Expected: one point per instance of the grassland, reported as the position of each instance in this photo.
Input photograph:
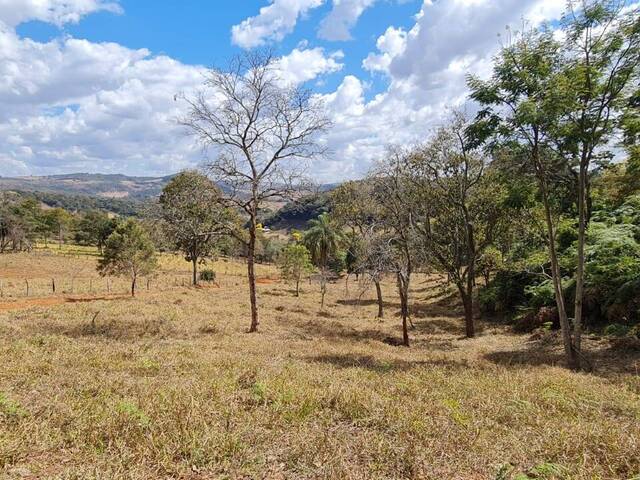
(168, 385)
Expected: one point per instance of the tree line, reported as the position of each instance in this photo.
(524, 185)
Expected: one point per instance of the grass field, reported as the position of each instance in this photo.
(168, 385)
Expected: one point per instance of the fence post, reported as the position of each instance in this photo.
(53, 285)
(148, 281)
(27, 282)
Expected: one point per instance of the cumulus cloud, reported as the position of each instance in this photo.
(58, 12)
(302, 65)
(272, 23)
(343, 16)
(427, 68)
(390, 44)
(74, 105)
(71, 104)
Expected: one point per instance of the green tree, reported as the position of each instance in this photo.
(94, 227)
(295, 262)
(520, 106)
(58, 222)
(456, 207)
(128, 252)
(601, 59)
(193, 216)
(353, 207)
(323, 239)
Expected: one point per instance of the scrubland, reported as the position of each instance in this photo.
(168, 385)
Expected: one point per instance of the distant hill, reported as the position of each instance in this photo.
(297, 214)
(91, 184)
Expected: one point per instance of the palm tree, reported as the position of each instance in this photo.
(323, 239)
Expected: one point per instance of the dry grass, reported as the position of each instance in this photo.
(168, 385)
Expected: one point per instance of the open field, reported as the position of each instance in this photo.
(168, 385)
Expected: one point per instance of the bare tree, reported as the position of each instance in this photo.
(262, 132)
(352, 206)
(391, 191)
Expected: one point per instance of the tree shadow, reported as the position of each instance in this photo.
(604, 357)
(371, 363)
(366, 303)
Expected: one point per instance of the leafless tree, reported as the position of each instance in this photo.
(261, 132)
(391, 191)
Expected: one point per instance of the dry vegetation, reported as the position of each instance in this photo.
(168, 385)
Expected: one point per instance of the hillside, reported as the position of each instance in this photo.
(114, 186)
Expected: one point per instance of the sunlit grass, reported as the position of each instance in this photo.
(169, 385)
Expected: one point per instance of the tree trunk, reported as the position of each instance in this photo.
(379, 295)
(467, 301)
(60, 237)
(297, 287)
(194, 262)
(133, 287)
(582, 233)
(557, 280)
(403, 289)
(251, 251)
(323, 288)
(470, 328)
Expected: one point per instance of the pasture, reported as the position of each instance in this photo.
(98, 385)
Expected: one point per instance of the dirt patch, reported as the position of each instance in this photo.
(266, 281)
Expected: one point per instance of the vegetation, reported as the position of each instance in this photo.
(128, 252)
(294, 263)
(263, 132)
(192, 216)
(506, 247)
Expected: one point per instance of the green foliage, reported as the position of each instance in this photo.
(338, 262)
(269, 248)
(128, 252)
(94, 227)
(192, 215)
(323, 239)
(207, 275)
(294, 262)
(298, 213)
(10, 408)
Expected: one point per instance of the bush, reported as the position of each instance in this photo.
(207, 275)
(506, 291)
(616, 330)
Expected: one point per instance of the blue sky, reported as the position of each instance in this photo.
(89, 85)
(194, 32)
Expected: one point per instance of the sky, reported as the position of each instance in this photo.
(89, 85)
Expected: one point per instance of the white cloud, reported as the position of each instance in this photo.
(390, 44)
(343, 16)
(58, 12)
(73, 105)
(427, 68)
(302, 65)
(70, 104)
(272, 23)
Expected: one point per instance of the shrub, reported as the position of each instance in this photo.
(616, 330)
(207, 275)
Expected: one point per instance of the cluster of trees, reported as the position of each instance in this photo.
(24, 221)
(529, 186)
(522, 205)
(515, 184)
